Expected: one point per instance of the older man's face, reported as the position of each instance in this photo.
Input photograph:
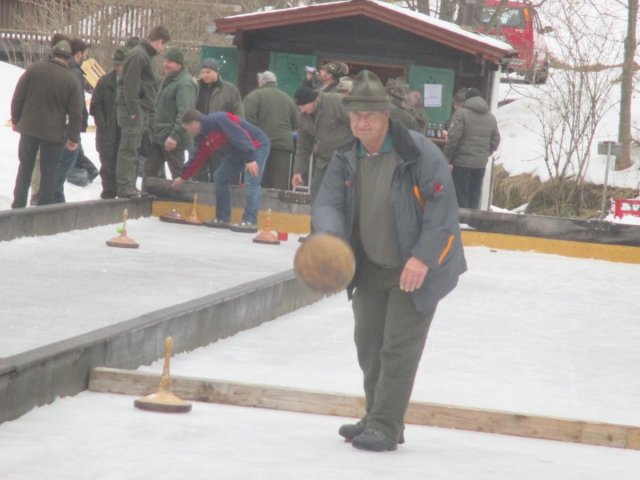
(369, 127)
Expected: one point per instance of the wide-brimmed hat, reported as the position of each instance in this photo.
(368, 94)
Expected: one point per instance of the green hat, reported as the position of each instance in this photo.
(368, 94)
(119, 55)
(175, 55)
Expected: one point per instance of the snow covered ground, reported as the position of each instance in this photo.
(523, 332)
(103, 437)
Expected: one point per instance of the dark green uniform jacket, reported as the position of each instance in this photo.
(424, 209)
(138, 87)
(176, 96)
(46, 93)
(473, 135)
(103, 110)
(275, 113)
(322, 132)
(221, 96)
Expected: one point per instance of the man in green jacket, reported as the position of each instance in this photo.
(323, 127)
(137, 90)
(46, 95)
(215, 95)
(168, 137)
(276, 114)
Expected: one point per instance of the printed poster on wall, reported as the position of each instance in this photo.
(433, 95)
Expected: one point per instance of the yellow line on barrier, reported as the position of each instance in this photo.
(299, 224)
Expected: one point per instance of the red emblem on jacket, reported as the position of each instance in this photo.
(438, 187)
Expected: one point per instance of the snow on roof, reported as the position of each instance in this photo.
(420, 17)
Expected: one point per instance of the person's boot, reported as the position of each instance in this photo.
(374, 440)
(351, 430)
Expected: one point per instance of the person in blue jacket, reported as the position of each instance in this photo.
(390, 194)
(244, 147)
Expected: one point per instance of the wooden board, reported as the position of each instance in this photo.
(126, 382)
(92, 71)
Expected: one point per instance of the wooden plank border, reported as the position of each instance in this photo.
(127, 382)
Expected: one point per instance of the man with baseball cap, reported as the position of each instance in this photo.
(46, 95)
(390, 194)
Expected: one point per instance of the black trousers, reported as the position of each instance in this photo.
(49, 159)
(468, 184)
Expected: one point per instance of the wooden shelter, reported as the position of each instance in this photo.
(434, 56)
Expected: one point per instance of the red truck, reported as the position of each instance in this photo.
(518, 23)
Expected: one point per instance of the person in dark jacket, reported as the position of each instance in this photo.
(390, 194)
(398, 91)
(168, 138)
(243, 147)
(137, 90)
(215, 95)
(276, 114)
(68, 158)
(472, 137)
(45, 95)
(103, 110)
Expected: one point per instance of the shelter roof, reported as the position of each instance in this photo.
(417, 23)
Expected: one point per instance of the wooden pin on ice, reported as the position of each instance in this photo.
(266, 236)
(194, 219)
(122, 241)
(164, 399)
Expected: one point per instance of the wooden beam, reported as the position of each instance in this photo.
(126, 382)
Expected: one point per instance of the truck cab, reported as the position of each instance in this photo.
(518, 23)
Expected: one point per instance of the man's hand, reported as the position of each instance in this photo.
(252, 168)
(413, 275)
(170, 144)
(177, 183)
(296, 181)
(71, 146)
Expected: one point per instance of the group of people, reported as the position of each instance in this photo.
(376, 181)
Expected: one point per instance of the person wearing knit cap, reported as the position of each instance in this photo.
(389, 193)
(137, 91)
(276, 114)
(103, 110)
(472, 137)
(215, 95)
(169, 140)
(323, 127)
(46, 109)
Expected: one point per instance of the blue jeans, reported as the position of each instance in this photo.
(68, 159)
(229, 169)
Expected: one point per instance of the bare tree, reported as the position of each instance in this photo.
(573, 106)
(629, 67)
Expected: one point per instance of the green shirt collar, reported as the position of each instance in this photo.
(387, 146)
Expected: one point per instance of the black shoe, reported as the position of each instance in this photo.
(374, 440)
(351, 430)
(244, 227)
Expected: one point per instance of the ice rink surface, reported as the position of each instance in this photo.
(523, 332)
(58, 286)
